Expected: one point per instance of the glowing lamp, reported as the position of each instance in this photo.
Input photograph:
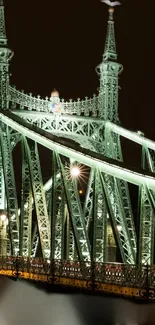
(54, 93)
(3, 217)
(75, 171)
(119, 228)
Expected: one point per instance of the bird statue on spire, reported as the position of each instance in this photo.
(111, 4)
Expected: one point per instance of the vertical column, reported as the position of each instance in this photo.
(5, 56)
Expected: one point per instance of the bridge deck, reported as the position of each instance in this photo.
(118, 279)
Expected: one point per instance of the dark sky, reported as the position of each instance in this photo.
(59, 44)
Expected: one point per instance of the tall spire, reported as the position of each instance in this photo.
(5, 56)
(3, 39)
(110, 44)
(109, 70)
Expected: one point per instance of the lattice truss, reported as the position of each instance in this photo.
(47, 217)
(54, 223)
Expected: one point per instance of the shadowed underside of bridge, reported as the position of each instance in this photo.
(43, 214)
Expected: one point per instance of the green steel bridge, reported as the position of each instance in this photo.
(49, 219)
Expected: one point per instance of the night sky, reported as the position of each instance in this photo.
(58, 44)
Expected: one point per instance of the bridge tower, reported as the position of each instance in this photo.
(107, 194)
(5, 56)
(108, 70)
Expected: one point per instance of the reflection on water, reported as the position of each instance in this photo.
(23, 304)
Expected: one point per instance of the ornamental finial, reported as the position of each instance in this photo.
(111, 3)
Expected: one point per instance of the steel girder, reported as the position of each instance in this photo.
(87, 131)
(35, 241)
(146, 213)
(26, 206)
(39, 198)
(12, 204)
(146, 227)
(99, 221)
(88, 204)
(57, 212)
(71, 253)
(2, 186)
(118, 219)
(70, 241)
(113, 150)
(76, 214)
(83, 156)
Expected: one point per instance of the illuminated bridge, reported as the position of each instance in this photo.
(50, 229)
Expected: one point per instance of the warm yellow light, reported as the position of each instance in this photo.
(3, 217)
(80, 192)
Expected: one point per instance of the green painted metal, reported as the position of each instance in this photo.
(76, 214)
(5, 56)
(39, 198)
(11, 194)
(99, 221)
(108, 70)
(26, 206)
(64, 227)
(57, 212)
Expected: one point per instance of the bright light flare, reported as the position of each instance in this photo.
(78, 172)
(119, 228)
(75, 171)
(3, 217)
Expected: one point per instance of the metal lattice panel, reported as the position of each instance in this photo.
(146, 232)
(87, 210)
(39, 199)
(118, 219)
(76, 215)
(146, 213)
(12, 204)
(21, 101)
(88, 132)
(26, 206)
(2, 186)
(113, 150)
(35, 241)
(70, 241)
(57, 212)
(99, 221)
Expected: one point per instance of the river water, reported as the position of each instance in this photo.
(23, 304)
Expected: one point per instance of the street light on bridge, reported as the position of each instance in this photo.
(75, 171)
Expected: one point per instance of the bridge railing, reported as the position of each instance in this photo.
(87, 107)
(110, 273)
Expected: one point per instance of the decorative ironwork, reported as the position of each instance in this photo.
(95, 274)
(71, 234)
